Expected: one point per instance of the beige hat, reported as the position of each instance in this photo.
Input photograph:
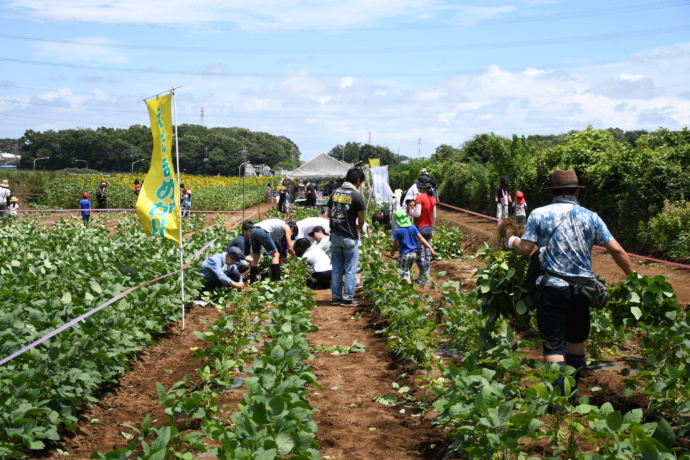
(5, 183)
(13, 199)
(397, 193)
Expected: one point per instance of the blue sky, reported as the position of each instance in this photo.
(326, 72)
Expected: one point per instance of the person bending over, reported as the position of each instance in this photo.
(221, 270)
(265, 234)
(318, 260)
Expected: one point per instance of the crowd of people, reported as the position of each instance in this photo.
(330, 245)
(563, 231)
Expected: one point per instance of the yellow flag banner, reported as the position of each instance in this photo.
(157, 206)
(374, 162)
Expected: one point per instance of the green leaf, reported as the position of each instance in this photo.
(521, 307)
(277, 407)
(614, 421)
(66, 298)
(636, 312)
(357, 347)
(95, 287)
(664, 433)
(285, 443)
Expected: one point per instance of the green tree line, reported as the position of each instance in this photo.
(638, 182)
(355, 153)
(202, 150)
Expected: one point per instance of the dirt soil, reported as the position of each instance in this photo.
(351, 424)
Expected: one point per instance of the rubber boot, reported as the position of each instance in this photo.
(253, 271)
(275, 273)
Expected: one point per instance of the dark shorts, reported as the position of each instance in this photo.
(562, 317)
(259, 238)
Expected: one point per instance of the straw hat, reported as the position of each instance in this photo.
(564, 178)
(13, 199)
(5, 183)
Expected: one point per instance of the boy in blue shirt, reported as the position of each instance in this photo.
(85, 206)
(405, 237)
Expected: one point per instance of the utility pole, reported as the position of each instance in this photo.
(419, 147)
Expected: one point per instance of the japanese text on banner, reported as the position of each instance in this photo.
(157, 205)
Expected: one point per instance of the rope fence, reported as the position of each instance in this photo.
(637, 256)
(108, 303)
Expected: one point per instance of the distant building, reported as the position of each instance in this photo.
(9, 160)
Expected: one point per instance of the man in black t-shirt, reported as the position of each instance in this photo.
(346, 210)
(310, 191)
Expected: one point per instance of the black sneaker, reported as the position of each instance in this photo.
(349, 303)
(336, 303)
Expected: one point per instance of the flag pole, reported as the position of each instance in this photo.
(177, 169)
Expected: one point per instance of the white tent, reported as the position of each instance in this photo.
(320, 167)
(9, 159)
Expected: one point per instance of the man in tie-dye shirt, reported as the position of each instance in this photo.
(563, 316)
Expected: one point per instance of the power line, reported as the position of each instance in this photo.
(657, 57)
(369, 50)
(634, 8)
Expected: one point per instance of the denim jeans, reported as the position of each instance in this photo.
(344, 258)
(259, 238)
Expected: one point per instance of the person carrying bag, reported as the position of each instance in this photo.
(566, 282)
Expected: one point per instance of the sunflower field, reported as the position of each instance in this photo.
(60, 190)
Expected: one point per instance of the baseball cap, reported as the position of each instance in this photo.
(318, 228)
(236, 254)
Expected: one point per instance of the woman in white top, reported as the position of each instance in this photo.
(317, 260)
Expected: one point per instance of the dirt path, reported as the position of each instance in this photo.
(135, 395)
(351, 424)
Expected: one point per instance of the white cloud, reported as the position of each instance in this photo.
(629, 77)
(346, 82)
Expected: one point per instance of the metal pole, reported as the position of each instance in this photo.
(177, 188)
(239, 172)
(134, 164)
(37, 159)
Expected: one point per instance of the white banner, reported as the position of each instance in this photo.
(379, 179)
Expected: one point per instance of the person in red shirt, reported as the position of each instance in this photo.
(424, 219)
